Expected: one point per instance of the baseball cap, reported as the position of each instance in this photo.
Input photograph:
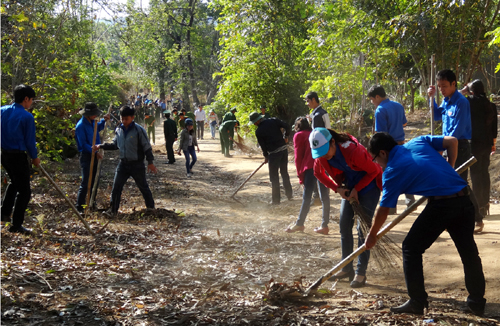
(319, 139)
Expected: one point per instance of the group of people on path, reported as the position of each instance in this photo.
(325, 160)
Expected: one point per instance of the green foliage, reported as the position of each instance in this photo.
(420, 102)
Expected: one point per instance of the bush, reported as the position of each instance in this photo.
(420, 102)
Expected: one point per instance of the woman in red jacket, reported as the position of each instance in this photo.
(304, 164)
(353, 175)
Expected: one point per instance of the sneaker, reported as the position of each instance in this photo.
(189, 175)
(109, 213)
(295, 228)
(20, 229)
(322, 230)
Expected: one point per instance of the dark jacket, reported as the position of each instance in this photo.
(184, 141)
(318, 119)
(169, 129)
(483, 120)
(269, 134)
(133, 143)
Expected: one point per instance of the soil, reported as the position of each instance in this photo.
(206, 259)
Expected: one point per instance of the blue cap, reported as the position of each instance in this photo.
(319, 139)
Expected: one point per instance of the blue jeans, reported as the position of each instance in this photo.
(213, 128)
(136, 170)
(324, 194)
(191, 152)
(368, 201)
(85, 159)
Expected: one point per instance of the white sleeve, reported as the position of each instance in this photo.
(326, 119)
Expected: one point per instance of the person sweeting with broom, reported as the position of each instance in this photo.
(339, 158)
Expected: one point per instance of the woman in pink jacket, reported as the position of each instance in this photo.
(305, 164)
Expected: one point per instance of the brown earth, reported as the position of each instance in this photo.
(212, 266)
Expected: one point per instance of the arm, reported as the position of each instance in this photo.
(82, 139)
(380, 121)
(494, 126)
(109, 146)
(30, 137)
(146, 146)
(451, 146)
(100, 125)
(319, 173)
(362, 161)
(378, 221)
(326, 119)
(299, 151)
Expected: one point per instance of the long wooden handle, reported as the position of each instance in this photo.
(431, 99)
(89, 186)
(380, 233)
(248, 178)
(59, 190)
(98, 172)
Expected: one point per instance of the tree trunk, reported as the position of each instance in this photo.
(189, 58)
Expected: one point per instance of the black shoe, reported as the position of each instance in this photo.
(341, 275)
(468, 309)
(19, 229)
(408, 308)
(356, 284)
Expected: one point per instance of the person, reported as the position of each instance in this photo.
(163, 106)
(319, 117)
(175, 116)
(417, 168)
(189, 115)
(132, 141)
(150, 122)
(18, 144)
(454, 111)
(389, 117)
(345, 159)
(274, 148)
(304, 164)
(187, 144)
(484, 123)
(214, 121)
(201, 118)
(230, 116)
(225, 135)
(264, 113)
(84, 134)
(170, 132)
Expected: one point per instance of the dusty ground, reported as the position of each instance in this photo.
(212, 265)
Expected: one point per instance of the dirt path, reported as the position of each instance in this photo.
(212, 266)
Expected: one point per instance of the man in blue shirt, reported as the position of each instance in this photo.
(389, 117)
(454, 111)
(417, 168)
(84, 134)
(18, 141)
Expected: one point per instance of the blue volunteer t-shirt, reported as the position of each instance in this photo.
(390, 117)
(351, 177)
(455, 113)
(417, 168)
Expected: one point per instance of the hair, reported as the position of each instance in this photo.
(301, 124)
(167, 115)
(174, 110)
(183, 110)
(22, 91)
(180, 114)
(127, 111)
(476, 87)
(376, 90)
(312, 95)
(381, 141)
(339, 137)
(447, 75)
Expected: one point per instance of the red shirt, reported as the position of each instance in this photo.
(357, 158)
(303, 156)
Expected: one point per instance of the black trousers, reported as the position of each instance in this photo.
(278, 164)
(85, 159)
(169, 143)
(18, 192)
(464, 153)
(480, 176)
(457, 216)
